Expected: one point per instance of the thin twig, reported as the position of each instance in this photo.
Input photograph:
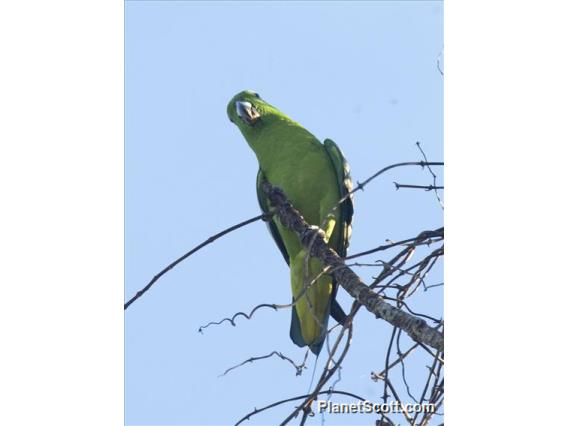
(437, 391)
(329, 372)
(429, 415)
(284, 401)
(426, 163)
(379, 376)
(274, 306)
(239, 314)
(432, 354)
(432, 368)
(189, 253)
(425, 187)
(433, 175)
(386, 376)
(400, 404)
(433, 285)
(424, 265)
(405, 305)
(439, 233)
(399, 353)
(299, 368)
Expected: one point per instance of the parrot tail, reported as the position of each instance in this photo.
(336, 313)
(296, 334)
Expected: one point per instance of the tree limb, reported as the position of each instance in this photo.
(313, 237)
(172, 265)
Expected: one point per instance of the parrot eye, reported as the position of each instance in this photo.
(257, 95)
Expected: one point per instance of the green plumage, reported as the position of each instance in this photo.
(315, 177)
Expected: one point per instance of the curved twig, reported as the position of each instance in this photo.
(268, 305)
(240, 314)
(299, 368)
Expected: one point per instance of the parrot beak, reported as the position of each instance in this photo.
(247, 112)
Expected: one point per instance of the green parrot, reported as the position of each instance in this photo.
(315, 177)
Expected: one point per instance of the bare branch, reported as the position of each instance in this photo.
(415, 327)
(428, 416)
(328, 372)
(284, 401)
(240, 314)
(189, 253)
(386, 376)
(432, 286)
(433, 175)
(361, 185)
(299, 367)
(379, 376)
(432, 373)
(425, 187)
(425, 237)
(400, 355)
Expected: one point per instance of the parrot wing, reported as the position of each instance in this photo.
(341, 168)
(345, 221)
(345, 186)
(265, 207)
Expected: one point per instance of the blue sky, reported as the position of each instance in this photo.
(361, 73)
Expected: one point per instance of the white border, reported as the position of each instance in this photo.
(61, 183)
(61, 178)
(506, 91)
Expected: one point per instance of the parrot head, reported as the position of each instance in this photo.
(250, 113)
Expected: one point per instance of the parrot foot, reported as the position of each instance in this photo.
(309, 236)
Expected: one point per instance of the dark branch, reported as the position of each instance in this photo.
(284, 401)
(424, 237)
(403, 369)
(189, 253)
(299, 368)
(361, 185)
(424, 187)
(433, 175)
(328, 372)
(239, 314)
